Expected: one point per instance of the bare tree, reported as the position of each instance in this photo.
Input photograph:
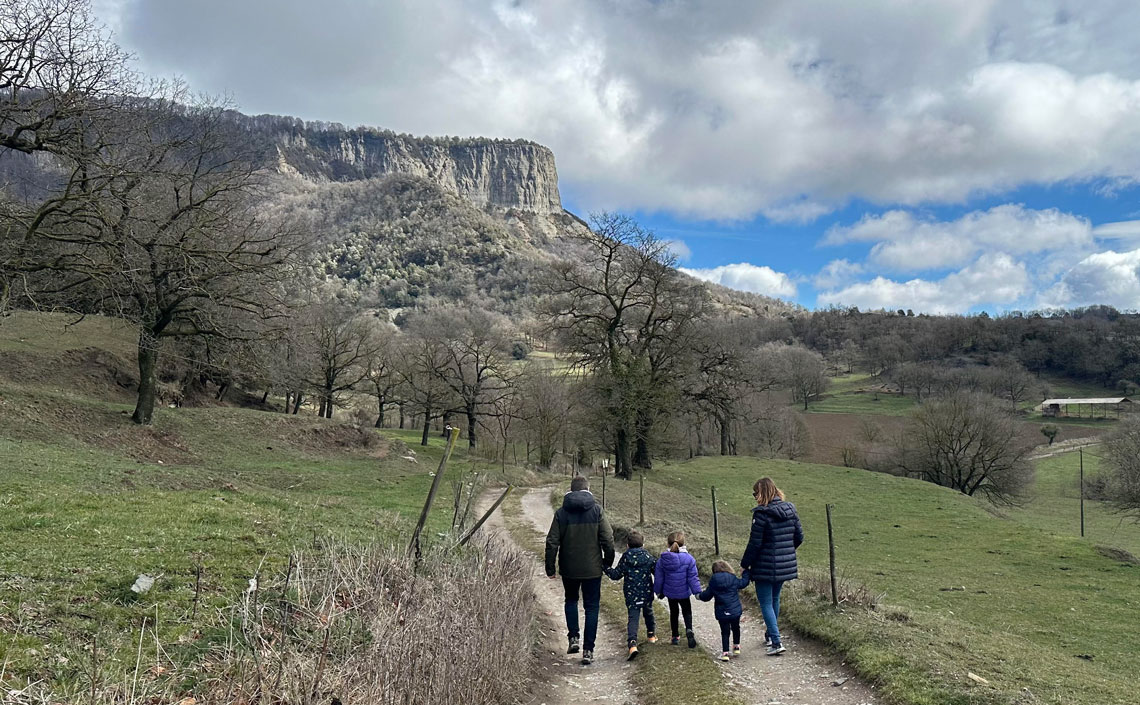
(175, 241)
(724, 371)
(342, 345)
(1122, 448)
(969, 442)
(626, 315)
(422, 361)
(382, 375)
(806, 373)
(476, 359)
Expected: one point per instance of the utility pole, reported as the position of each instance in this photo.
(1081, 452)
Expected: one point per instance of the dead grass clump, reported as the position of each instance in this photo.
(850, 592)
(364, 624)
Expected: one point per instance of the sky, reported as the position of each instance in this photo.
(943, 156)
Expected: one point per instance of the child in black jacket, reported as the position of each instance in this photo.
(725, 587)
(636, 566)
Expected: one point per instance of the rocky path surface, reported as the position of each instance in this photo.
(608, 678)
(806, 675)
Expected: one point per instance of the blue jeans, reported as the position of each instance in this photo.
(768, 595)
(591, 589)
(635, 613)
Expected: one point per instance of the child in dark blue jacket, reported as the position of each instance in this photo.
(724, 587)
(636, 566)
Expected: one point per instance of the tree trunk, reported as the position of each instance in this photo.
(265, 397)
(222, 391)
(622, 452)
(641, 456)
(288, 401)
(321, 409)
(427, 427)
(725, 430)
(380, 412)
(470, 426)
(299, 399)
(400, 406)
(148, 367)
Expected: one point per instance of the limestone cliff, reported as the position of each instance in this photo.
(501, 173)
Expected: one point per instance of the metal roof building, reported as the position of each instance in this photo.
(1061, 407)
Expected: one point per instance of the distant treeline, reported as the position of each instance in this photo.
(1097, 344)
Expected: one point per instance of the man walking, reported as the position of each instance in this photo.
(581, 539)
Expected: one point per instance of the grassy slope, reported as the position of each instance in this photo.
(1055, 505)
(1032, 606)
(88, 501)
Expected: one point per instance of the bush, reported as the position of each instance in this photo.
(519, 350)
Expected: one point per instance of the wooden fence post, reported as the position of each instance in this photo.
(603, 488)
(1082, 453)
(641, 501)
(716, 524)
(414, 544)
(486, 516)
(831, 557)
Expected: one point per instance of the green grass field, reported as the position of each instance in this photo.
(962, 590)
(860, 394)
(90, 502)
(1055, 505)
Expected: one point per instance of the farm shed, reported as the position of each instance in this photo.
(1091, 408)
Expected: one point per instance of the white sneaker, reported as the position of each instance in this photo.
(775, 650)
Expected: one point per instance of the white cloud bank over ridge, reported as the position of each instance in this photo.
(748, 277)
(719, 110)
(1005, 257)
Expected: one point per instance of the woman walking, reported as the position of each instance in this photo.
(770, 558)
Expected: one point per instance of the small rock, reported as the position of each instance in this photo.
(143, 584)
(838, 682)
(977, 679)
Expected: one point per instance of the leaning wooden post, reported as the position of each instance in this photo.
(641, 501)
(486, 516)
(716, 524)
(831, 554)
(603, 487)
(414, 544)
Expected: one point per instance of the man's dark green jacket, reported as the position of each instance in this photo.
(580, 537)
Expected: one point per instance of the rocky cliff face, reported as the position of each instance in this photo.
(499, 173)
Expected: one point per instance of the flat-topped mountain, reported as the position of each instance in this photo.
(510, 174)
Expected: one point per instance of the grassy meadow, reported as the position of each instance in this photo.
(88, 502)
(960, 589)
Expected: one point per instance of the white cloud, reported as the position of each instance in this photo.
(748, 277)
(905, 243)
(994, 280)
(1121, 230)
(679, 249)
(837, 273)
(1109, 277)
(719, 110)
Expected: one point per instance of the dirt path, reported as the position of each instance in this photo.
(607, 680)
(805, 675)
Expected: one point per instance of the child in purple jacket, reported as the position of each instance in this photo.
(676, 579)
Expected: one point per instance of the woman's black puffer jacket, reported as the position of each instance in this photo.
(776, 534)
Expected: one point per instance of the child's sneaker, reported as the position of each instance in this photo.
(652, 638)
(632, 653)
(736, 650)
(573, 648)
(587, 657)
(724, 656)
(692, 638)
(775, 650)
(675, 640)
